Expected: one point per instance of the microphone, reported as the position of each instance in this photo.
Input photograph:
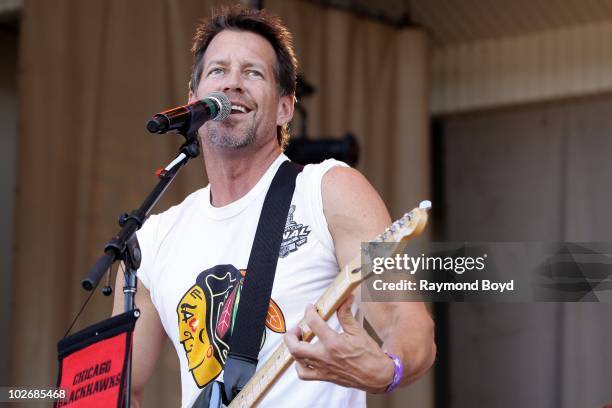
(188, 118)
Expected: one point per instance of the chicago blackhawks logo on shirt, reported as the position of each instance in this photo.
(294, 236)
(206, 317)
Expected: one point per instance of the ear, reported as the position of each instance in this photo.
(284, 113)
(191, 97)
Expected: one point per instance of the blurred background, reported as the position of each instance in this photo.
(499, 110)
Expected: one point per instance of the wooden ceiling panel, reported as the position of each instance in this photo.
(457, 21)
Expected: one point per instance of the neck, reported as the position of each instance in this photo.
(234, 172)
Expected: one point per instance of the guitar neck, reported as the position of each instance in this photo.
(281, 359)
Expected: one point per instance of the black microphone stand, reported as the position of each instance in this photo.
(124, 246)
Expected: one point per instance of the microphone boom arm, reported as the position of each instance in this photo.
(116, 247)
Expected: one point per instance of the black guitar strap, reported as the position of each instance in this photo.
(246, 337)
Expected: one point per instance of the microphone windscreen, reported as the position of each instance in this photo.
(225, 106)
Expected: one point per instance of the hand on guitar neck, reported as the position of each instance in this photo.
(350, 359)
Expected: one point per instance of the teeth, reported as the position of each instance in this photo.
(239, 108)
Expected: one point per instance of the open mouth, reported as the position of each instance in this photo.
(238, 109)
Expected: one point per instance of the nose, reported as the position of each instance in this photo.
(233, 81)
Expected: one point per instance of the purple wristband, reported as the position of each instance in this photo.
(397, 374)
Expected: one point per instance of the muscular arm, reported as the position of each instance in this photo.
(355, 213)
(149, 338)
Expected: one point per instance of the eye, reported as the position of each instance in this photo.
(186, 315)
(215, 71)
(184, 311)
(252, 73)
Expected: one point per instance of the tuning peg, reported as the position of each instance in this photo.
(425, 205)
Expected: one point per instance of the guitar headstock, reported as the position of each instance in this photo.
(409, 226)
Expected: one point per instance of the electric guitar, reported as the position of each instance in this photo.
(405, 228)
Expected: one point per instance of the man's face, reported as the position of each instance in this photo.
(192, 326)
(199, 351)
(241, 65)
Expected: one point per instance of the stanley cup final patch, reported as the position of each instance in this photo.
(294, 236)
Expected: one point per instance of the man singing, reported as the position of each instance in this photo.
(195, 254)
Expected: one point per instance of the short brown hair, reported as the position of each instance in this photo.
(260, 22)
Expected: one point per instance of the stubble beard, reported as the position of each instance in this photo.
(220, 136)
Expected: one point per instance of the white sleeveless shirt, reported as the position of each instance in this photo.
(194, 256)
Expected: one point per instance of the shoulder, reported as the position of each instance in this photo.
(353, 209)
(160, 224)
(339, 181)
(167, 218)
(350, 202)
(154, 231)
(314, 173)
